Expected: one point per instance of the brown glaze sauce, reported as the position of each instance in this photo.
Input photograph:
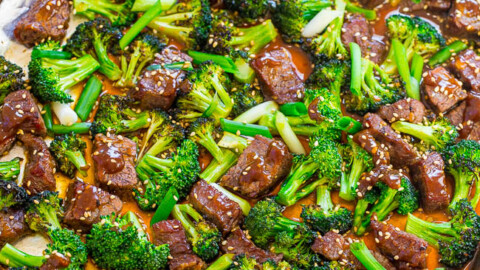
(109, 158)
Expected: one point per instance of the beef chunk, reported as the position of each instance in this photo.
(335, 247)
(114, 159)
(379, 152)
(466, 65)
(158, 88)
(357, 29)
(45, 20)
(85, 204)
(384, 173)
(278, 75)
(12, 225)
(21, 113)
(456, 114)
(7, 137)
(428, 175)
(409, 109)
(463, 17)
(401, 153)
(400, 245)
(56, 261)
(171, 232)
(239, 243)
(371, 3)
(218, 208)
(474, 132)
(260, 167)
(430, 5)
(442, 90)
(40, 168)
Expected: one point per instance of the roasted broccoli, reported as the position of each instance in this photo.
(121, 243)
(11, 78)
(203, 132)
(11, 195)
(44, 211)
(119, 14)
(249, 9)
(455, 240)
(329, 43)
(68, 150)
(245, 96)
(330, 73)
(203, 235)
(50, 78)
(97, 38)
(244, 262)
(116, 115)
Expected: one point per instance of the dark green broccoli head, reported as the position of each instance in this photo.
(406, 197)
(282, 265)
(245, 96)
(329, 43)
(204, 132)
(11, 195)
(115, 243)
(206, 242)
(324, 104)
(296, 248)
(249, 9)
(330, 73)
(243, 262)
(44, 211)
(118, 13)
(69, 150)
(11, 78)
(66, 242)
(323, 221)
(324, 152)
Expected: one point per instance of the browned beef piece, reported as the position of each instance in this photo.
(56, 261)
(463, 17)
(45, 20)
(114, 159)
(261, 166)
(278, 75)
(40, 169)
(20, 112)
(7, 137)
(474, 132)
(12, 225)
(385, 173)
(428, 175)
(400, 245)
(158, 88)
(408, 109)
(401, 153)
(371, 3)
(171, 232)
(442, 90)
(218, 208)
(335, 247)
(379, 151)
(430, 5)
(456, 114)
(357, 29)
(384, 261)
(85, 204)
(466, 65)
(239, 243)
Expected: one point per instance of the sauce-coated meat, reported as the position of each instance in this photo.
(215, 206)
(466, 65)
(45, 20)
(456, 114)
(463, 17)
(442, 90)
(259, 168)
(20, 112)
(408, 109)
(85, 204)
(430, 5)
(12, 225)
(56, 261)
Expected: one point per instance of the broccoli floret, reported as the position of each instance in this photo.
(330, 73)
(324, 159)
(330, 42)
(455, 240)
(249, 9)
(158, 175)
(203, 132)
(417, 35)
(282, 265)
(225, 37)
(118, 13)
(9, 170)
(291, 16)
(203, 235)
(139, 53)
(11, 78)
(208, 95)
(44, 212)
(120, 243)
(403, 200)
(188, 21)
(462, 161)
(324, 216)
(97, 38)
(363, 254)
(50, 77)
(436, 134)
(245, 96)
(357, 161)
(11, 195)
(244, 262)
(69, 150)
(323, 103)
(116, 115)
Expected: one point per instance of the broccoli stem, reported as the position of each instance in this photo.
(360, 210)
(222, 263)
(78, 128)
(324, 198)
(158, 163)
(349, 183)
(386, 205)
(401, 61)
(177, 32)
(76, 157)
(425, 133)
(107, 66)
(217, 168)
(133, 219)
(128, 69)
(430, 232)
(9, 170)
(13, 257)
(254, 114)
(180, 212)
(356, 74)
(141, 121)
(417, 67)
(363, 254)
(445, 53)
(255, 37)
(244, 204)
(233, 142)
(463, 181)
(47, 116)
(287, 134)
(209, 143)
(88, 8)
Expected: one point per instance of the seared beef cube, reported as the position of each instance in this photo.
(466, 65)
(401, 153)
(391, 177)
(335, 247)
(409, 109)
(379, 152)
(40, 169)
(442, 90)
(428, 175)
(463, 17)
(20, 112)
(259, 168)
(474, 132)
(85, 204)
(56, 261)
(239, 243)
(215, 206)
(7, 137)
(357, 29)
(12, 225)
(114, 159)
(402, 246)
(158, 88)
(279, 77)
(171, 232)
(371, 3)
(456, 114)
(430, 5)
(45, 20)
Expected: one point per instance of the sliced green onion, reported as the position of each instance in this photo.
(222, 263)
(166, 206)
(47, 116)
(294, 109)
(50, 54)
(79, 128)
(356, 74)
(234, 142)
(417, 67)
(287, 134)
(360, 250)
(254, 114)
(244, 129)
(368, 13)
(348, 125)
(89, 96)
(401, 61)
(224, 62)
(445, 53)
(245, 72)
(211, 108)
